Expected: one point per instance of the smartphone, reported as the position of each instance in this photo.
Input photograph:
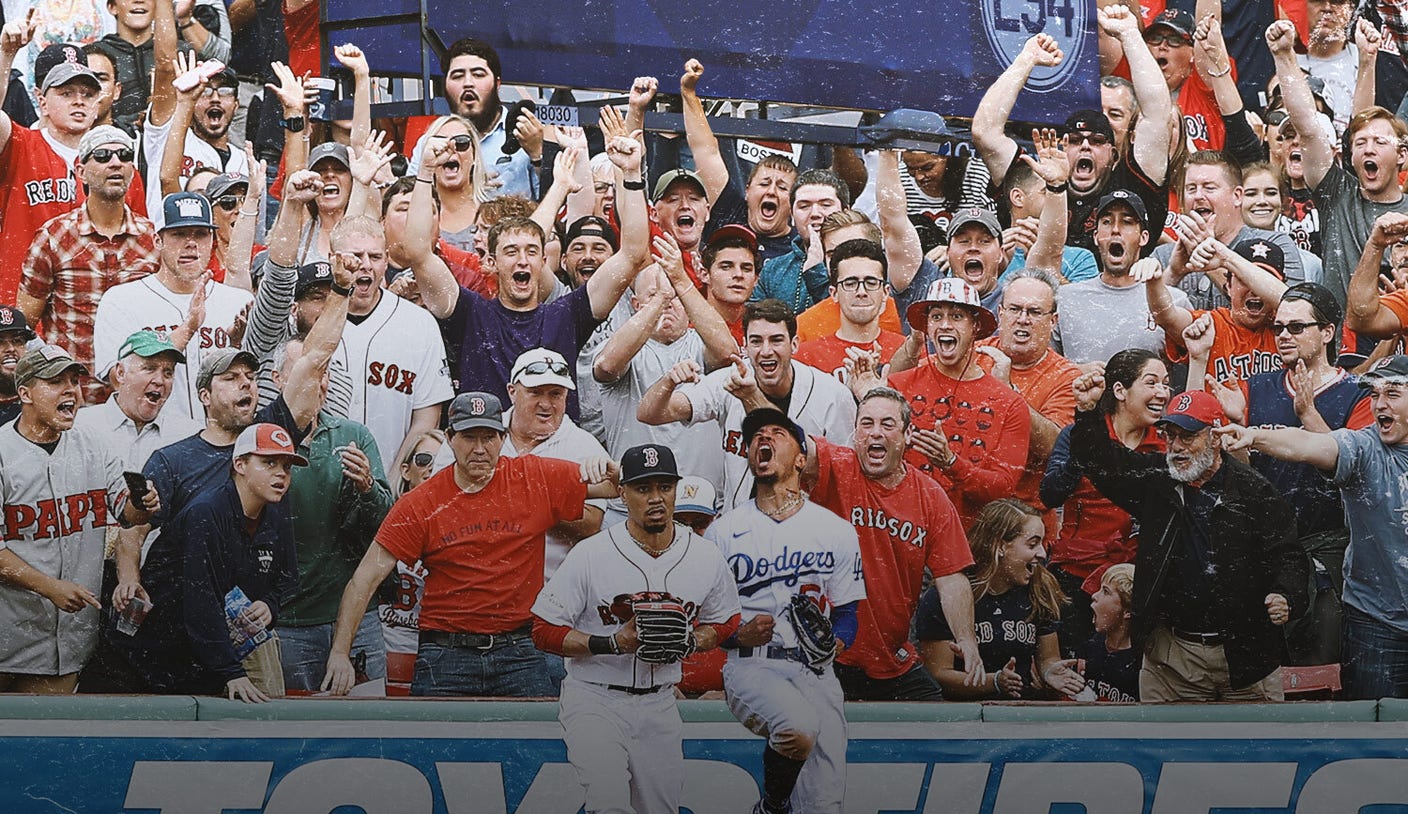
(515, 112)
(191, 78)
(136, 485)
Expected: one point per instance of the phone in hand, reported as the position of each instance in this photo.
(136, 486)
(515, 112)
(191, 78)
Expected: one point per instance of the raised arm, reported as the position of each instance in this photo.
(303, 389)
(355, 61)
(171, 160)
(439, 291)
(702, 143)
(903, 252)
(719, 344)
(990, 120)
(164, 44)
(14, 36)
(1316, 151)
(609, 282)
(1151, 132)
(207, 44)
(292, 96)
(241, 249)
(1172, 318)
(641, 95)
(1286, 444)
(1365, 312)
(1367, 40)
(1214, 65)
(369, 160)
(1052, 167)
(1263, 283)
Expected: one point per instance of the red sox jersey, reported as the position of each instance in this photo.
(57, 508)
(593, 588)
(147, 304)
(36, 184)
(396, 360)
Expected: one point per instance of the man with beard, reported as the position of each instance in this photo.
(1220, 566)
(15, 334)
(102, 66)
(590, 242)
(130, 50)
(771, 377)
(1348, 202)
(1245, 343)
(208, 139)
(1102, 316)
(799, 277)
(1096, 166)
(76, 257)
(906, 525)
(472, 75)
(1211, 200)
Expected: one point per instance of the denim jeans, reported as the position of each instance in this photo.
(512, 669)
(913, 685)
(305, 652)
(1374, 658)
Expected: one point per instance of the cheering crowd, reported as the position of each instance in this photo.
(1115, 407)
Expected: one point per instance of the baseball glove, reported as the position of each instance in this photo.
(815, 637)
(665, 634)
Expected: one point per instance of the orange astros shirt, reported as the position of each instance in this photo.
(1237, 353)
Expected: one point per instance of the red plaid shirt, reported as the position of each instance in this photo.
(70, 265)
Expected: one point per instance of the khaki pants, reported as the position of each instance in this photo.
(265, 668)
(1178, 670)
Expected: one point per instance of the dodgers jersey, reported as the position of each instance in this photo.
(593, 589)
(146, 304)
(813, 552)
(396, 360)
(57, 508)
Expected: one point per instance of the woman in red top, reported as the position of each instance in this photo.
(1095, 532)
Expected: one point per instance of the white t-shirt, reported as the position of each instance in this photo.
(199, 153)
(146, 304)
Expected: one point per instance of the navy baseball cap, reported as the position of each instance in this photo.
(476, 409)
(1180, 21)
(186, 209)
(770, 417)
(1394, 370)
(591, 226)
(311, 275)
(1089, 121)
(55, 55)
(1264, 253)
(12, 319)
(648, 461)
(1129, 199)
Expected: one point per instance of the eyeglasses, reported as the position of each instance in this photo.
(1171, 40)
(222, 91)
(1095, 139)
(544, 366)
(1296, 328)
(854, 283)
(422, 458)
(104, 154)
(461, 143)
(1016, 312)
(229, 202)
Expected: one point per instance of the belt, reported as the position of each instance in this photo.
(1205, 639)
(474, 641)
(773, 651)
(629, 690)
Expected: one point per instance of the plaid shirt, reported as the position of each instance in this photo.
(70, 265)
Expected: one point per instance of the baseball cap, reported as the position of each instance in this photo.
(44, 362)
(1129, 199)
(311, 275)
(648, 461)
(591, 226)
(100, 135)
(12, 319)
(1090, 121)
(662, 185)
(56, 55)
(476, 409)
(223, 183)
(951, 289)
(269, 440)
(1264, 253)
(539, 366)
(67, 72)
(975, 214)
(694, 494)
(1319, 297)
(220, 360)
(1194, 410)
(186, 209)
(1396, 368)
(1177, 19)
(147, 344)
(769, 417)
(330, 149)
(734, 231)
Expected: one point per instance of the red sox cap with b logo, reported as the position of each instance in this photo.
(269, 440)
(476, 409)
(1194, 410)
(648, 461)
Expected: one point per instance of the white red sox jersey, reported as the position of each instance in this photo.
(396, 360)
(57, 508)
(593, 588)
(146, 304)
(820, 405)
(813, 552)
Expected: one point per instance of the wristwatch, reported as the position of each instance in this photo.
(293, 124)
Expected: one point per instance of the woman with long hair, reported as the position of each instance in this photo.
(1095, 532)
(414, 468)
(460, 181)
(1016, 608)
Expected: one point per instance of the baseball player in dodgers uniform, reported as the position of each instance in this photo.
(624, 607)
(792, 560)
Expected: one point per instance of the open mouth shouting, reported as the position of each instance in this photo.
(973, 270)
(875, 455)
(1369, 172)
(67, 409)
(330, 191)
(768, 369)
(768, 208)
(153, 396)
(1084, 167)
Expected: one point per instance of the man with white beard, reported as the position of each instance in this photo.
(1217, 545)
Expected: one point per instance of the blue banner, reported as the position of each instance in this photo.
(879, 55)
(396, 767)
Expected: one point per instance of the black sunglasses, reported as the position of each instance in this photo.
(422, 458)
(461, 143)
(104, 154)
(544, 366)
(229, 202)
(1296, 328)
(1095, 139)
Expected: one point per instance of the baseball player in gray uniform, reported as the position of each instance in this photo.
(61, 488)
(798, 571)
(625, 606)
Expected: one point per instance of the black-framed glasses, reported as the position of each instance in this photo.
(423, 458)
(1095, 139)
(854, 283)
(1171, 40)
(543, 366)
(223, 91)
(1296, 328)
(229, 203)
(1017, 311)
(461, 143)
(103, 155)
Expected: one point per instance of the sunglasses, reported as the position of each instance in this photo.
(1095, 139)
(229, 202)
(461, 143)
(422, 458)
(1171, 40)
(1296, 328)
(545, 366)
(222, 91)
(104, 154)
